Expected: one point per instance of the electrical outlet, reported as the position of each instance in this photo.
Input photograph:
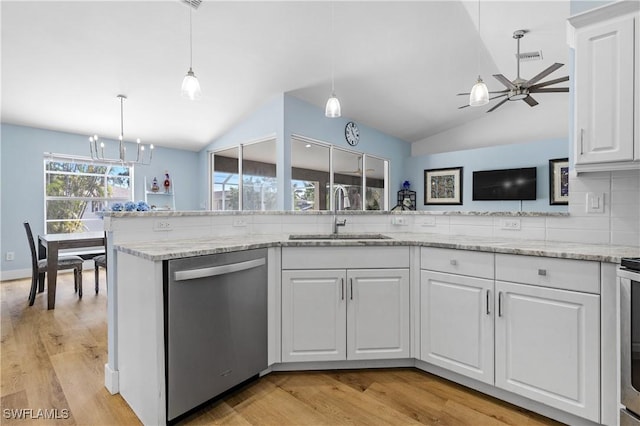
(510, 224)
(162, 225)
(402, 221)
(239, 223)
(10, 256)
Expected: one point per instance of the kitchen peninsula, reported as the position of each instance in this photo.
(413, 276)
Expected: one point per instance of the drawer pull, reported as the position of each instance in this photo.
(453, 262)
(542, 272)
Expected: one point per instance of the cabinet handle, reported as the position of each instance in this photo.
(542, 272)
(488, 307)
(342, 288)
(499, 303)
(581, 141)
(453, 262)
(351, 286)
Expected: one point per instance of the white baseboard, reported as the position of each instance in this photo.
(18, 274)
(111, 380)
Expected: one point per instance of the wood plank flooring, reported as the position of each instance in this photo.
(55, 360)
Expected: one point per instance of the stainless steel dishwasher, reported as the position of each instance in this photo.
(215, 325)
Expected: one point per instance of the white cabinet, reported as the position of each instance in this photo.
(345, 303)
(545, 314)
(313, 315)
(548, 346)
(456, 326)
(331, 315)
(606, 87)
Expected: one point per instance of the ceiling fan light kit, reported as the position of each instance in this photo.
(521, 89)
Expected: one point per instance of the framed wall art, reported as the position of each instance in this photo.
(443, 186)
(559, 181)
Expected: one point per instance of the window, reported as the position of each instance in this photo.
(249, 170)
(315, 166)
(77, 189)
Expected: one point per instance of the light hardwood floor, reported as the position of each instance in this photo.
(55, 360)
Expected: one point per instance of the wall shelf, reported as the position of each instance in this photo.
(159, 200)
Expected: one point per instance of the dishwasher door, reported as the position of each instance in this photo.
(215, 325)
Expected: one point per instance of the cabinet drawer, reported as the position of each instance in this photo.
(461, 262)
(564, 274)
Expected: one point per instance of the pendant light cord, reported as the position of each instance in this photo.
(121, 117)
(190, 37)
(479, 41)
(333, 42)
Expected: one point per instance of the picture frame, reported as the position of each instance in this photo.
(559, 181)
(443, 186)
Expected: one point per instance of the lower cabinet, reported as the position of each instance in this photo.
(546, 345)
(340, 314)
(457, 323)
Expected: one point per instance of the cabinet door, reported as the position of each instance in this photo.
(548, 346)
(313, 315)
(604, 92)
(456, 323)
(378, 314)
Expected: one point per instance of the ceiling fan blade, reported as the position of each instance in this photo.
(504, 80)
(532, 102)
(542, 75)
(550, 82)
(497, 91)
(494, 97)
(549, 90)
(498, 104)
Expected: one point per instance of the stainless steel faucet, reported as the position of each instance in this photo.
(336, 207)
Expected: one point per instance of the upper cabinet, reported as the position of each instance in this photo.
(606, 105)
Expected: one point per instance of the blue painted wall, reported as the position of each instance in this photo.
(22, 181)
(286, 115)
(530, 154)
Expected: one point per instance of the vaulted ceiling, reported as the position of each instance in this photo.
(398, 65)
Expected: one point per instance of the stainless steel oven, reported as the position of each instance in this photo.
(629, 278)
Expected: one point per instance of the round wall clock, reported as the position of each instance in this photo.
(351, 133)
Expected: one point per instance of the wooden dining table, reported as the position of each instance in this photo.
(50, 246)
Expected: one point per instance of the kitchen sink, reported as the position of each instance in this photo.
(338, 237)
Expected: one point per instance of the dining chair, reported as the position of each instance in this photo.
(100, 261)
(39, 267)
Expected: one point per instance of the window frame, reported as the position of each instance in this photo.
(64, 158)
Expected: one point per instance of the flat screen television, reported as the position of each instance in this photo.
(506, 184)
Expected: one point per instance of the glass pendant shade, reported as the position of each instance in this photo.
(332, 110)
(479, 94)
(191, 86)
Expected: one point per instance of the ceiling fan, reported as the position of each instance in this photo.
(358, 171)
(521, 89)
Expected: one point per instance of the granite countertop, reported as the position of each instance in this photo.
(182, 213)
(174, 249)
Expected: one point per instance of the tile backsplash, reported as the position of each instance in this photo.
(618, 224)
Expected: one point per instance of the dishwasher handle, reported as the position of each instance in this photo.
(218, 270)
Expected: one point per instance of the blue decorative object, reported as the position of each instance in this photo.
(143, 207)
(130, 206)
(406, 184)
(117, 207)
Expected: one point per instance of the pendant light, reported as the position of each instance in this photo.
(332, 110)
(479, 93)
(190, 84)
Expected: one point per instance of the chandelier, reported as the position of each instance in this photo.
(97, 149)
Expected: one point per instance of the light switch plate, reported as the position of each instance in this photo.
(595, 202)
(511, 224)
